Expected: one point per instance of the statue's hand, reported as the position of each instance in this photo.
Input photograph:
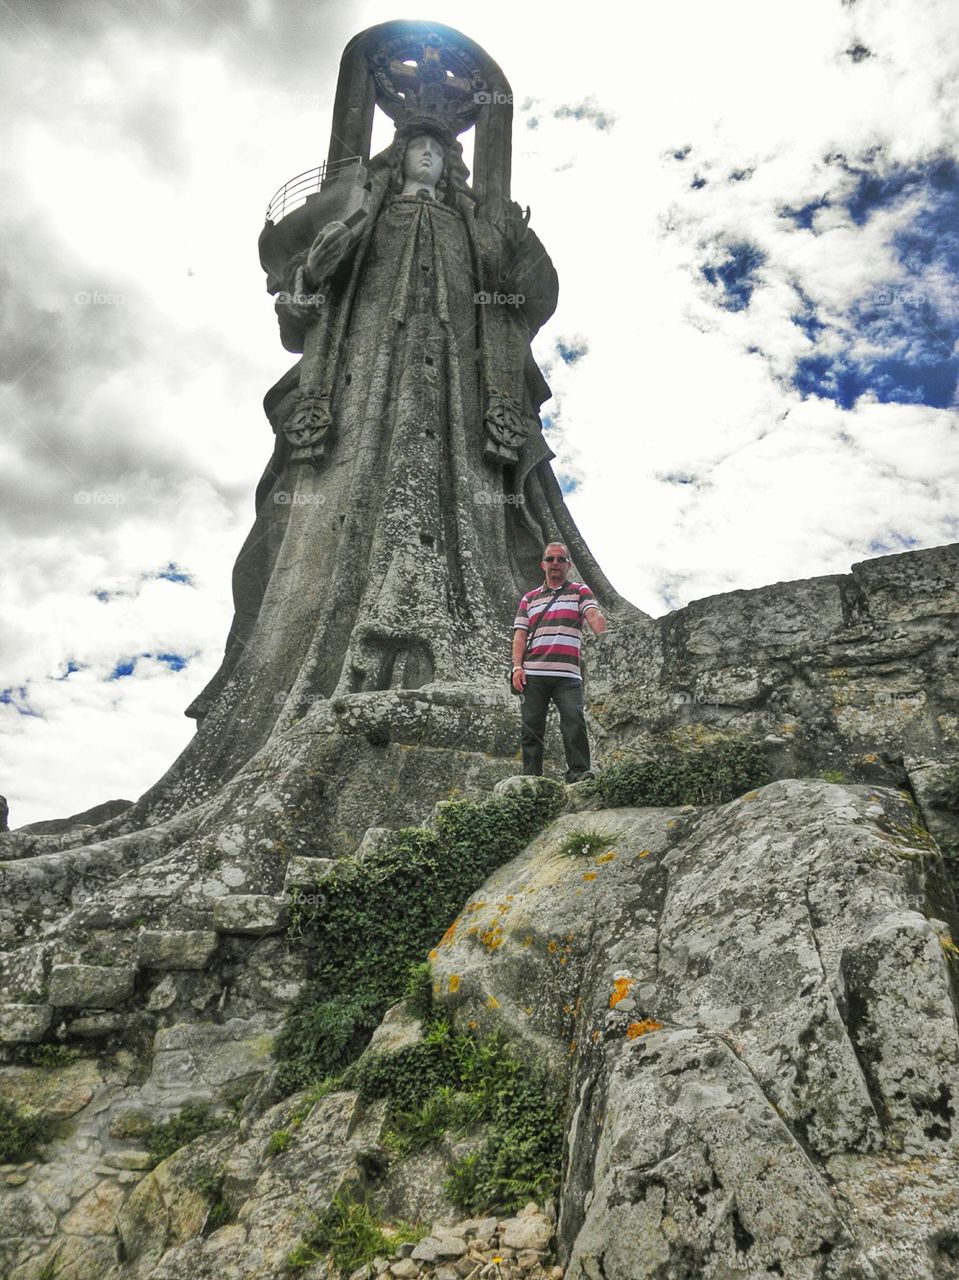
(328, 251)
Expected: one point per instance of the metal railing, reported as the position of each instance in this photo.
(295, 192)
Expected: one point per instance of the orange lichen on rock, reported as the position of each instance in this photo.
(642, 1028)
(450, 935)
(492, 936)
(606, 857)
(620, 990)
(492, 1002)
(552, 945)
(433, 954)
(589, 875)
(527, 941)
(454, 983)
(644, 853)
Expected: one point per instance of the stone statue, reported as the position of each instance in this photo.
(410, 493)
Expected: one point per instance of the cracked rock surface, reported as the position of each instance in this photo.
(756, 1006)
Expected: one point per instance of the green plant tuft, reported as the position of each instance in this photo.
(713, 774)
(452, 1082)
(419, 991)
(21, 1131)
(347, 1232)
(832, 775)
(581, 844)
(211, 1186)
(49, 1055)
(172, 1134)
(280, 1139)
(377, 917)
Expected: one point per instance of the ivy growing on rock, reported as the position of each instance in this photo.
(378, 915)
(713, 774)
(450, 1082)
(170, 1135)
(349, 1236)
(21, 1131)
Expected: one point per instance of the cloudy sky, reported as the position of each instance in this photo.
(752, 207)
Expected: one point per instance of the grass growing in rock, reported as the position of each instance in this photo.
(450, 1082)
(380, 915)
(714, 774)
(21, 1132)
(170, 1135)
(50, 1056)
(349, 1234)
(583, 844)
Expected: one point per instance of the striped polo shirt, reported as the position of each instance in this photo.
(556, 644)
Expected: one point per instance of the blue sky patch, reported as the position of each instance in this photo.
(126, 666)
(175, 661)
(173, 573)
(17, 698)
(737, 275)
(570, 352)
(899, 342)
(892, 542)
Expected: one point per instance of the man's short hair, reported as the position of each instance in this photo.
(556, 544)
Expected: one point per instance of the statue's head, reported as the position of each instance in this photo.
(426, 154)
(423, 160)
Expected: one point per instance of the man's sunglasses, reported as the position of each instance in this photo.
(556, 559)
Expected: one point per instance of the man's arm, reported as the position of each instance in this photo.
(519, 648)
(595, 619)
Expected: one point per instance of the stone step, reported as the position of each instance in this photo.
(175, 948)
(24, 1023)
(91, 986)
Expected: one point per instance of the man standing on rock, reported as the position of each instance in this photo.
(547, 637)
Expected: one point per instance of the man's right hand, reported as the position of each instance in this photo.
(519, 680)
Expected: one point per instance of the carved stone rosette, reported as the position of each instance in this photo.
(308, 428)
(507, 426)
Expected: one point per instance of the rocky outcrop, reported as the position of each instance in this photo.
(856, 673)
(756, 1009)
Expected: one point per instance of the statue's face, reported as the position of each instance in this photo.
(423, 161)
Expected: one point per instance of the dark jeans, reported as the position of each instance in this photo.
(568, 696)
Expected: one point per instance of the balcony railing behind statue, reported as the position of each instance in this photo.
(330, 193)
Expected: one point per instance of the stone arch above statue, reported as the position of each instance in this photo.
(411, 69)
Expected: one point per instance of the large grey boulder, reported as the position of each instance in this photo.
(753, 1007)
